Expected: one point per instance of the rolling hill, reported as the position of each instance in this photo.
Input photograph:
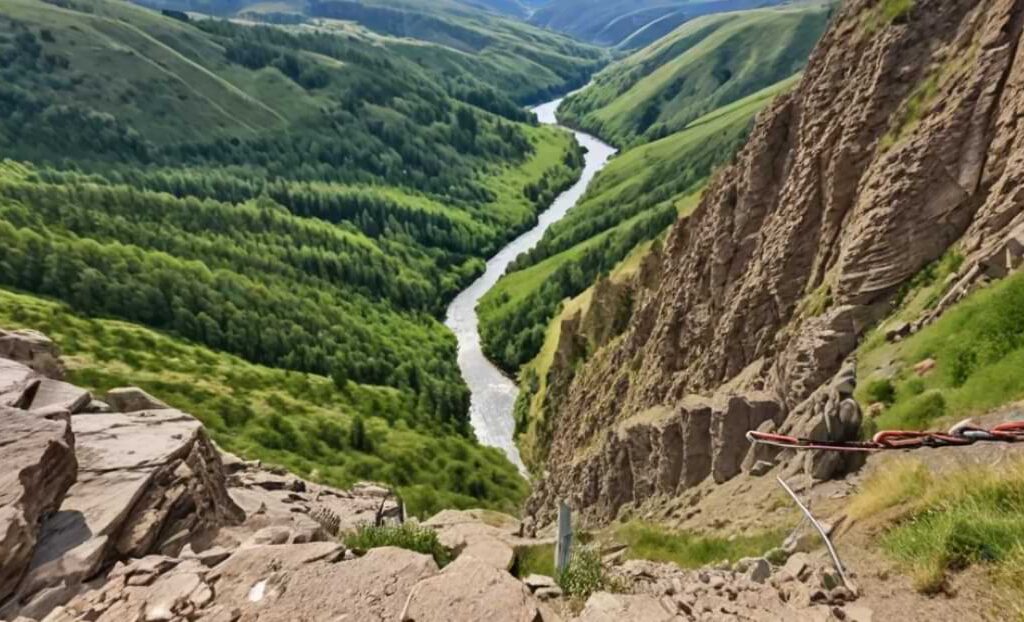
(705, 64)
(630, 24)
(303, 201)
(471, 46)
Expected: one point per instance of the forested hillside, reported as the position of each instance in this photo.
(305, 200)
(638, 195)
(703, 65)
(473, 47)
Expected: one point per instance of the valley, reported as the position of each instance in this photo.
(350, 309)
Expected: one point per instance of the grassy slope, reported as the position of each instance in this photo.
(703, 65)
(614, 22)
(152, 72)
(633, 186)
(512, 57)
(978, 347)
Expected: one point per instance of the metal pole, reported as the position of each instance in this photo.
(824, 536)
(563, 541)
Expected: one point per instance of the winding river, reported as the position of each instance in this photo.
(493, 394)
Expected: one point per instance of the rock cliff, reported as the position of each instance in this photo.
(900, 143)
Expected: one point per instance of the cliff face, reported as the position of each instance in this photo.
(900, 142)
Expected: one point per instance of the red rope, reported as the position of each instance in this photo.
(960, 435)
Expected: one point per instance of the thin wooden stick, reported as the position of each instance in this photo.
(824, 536)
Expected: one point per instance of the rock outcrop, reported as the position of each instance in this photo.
(32, 349)
(901, 141)
(37, 468)
(138, 516)
(662, 452)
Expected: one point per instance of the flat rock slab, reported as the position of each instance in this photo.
(608, 607)
(306, 582)
(469, 589)
(143, 477)
(57, 394)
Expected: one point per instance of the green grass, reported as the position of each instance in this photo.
(705, 64)
(299, 421)
(688, 550)
(539, 559)
(405, 536)
(949, 522)
(978, 347)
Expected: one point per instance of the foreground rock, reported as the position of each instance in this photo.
(803, 588)
(148, 482)
(470, 589)
(37, 467)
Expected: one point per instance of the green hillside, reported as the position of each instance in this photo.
(476, 50)
(629, 23)
(638, 195)
(703, 65)
(305, 200)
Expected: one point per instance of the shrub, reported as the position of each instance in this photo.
(584, 575)
(881, 391)
(915, 414)
(405, 536)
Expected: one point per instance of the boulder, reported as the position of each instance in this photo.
(58, 395)
(469, 589)
(32, 349)
(491, 551)
(608, 607)
(132, 399)
(37, 466)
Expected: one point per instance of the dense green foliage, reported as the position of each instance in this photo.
(308, 200)
(295, 420)
(978, 347)
(405, 536)
(707, 63)
(630, 24)
(633, 199)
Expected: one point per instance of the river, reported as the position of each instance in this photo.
(492, 393)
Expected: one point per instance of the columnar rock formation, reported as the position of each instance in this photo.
(900, 142)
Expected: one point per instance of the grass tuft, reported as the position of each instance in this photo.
(584, 574)
(648, 541)
(405, 536)
(947, 523)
